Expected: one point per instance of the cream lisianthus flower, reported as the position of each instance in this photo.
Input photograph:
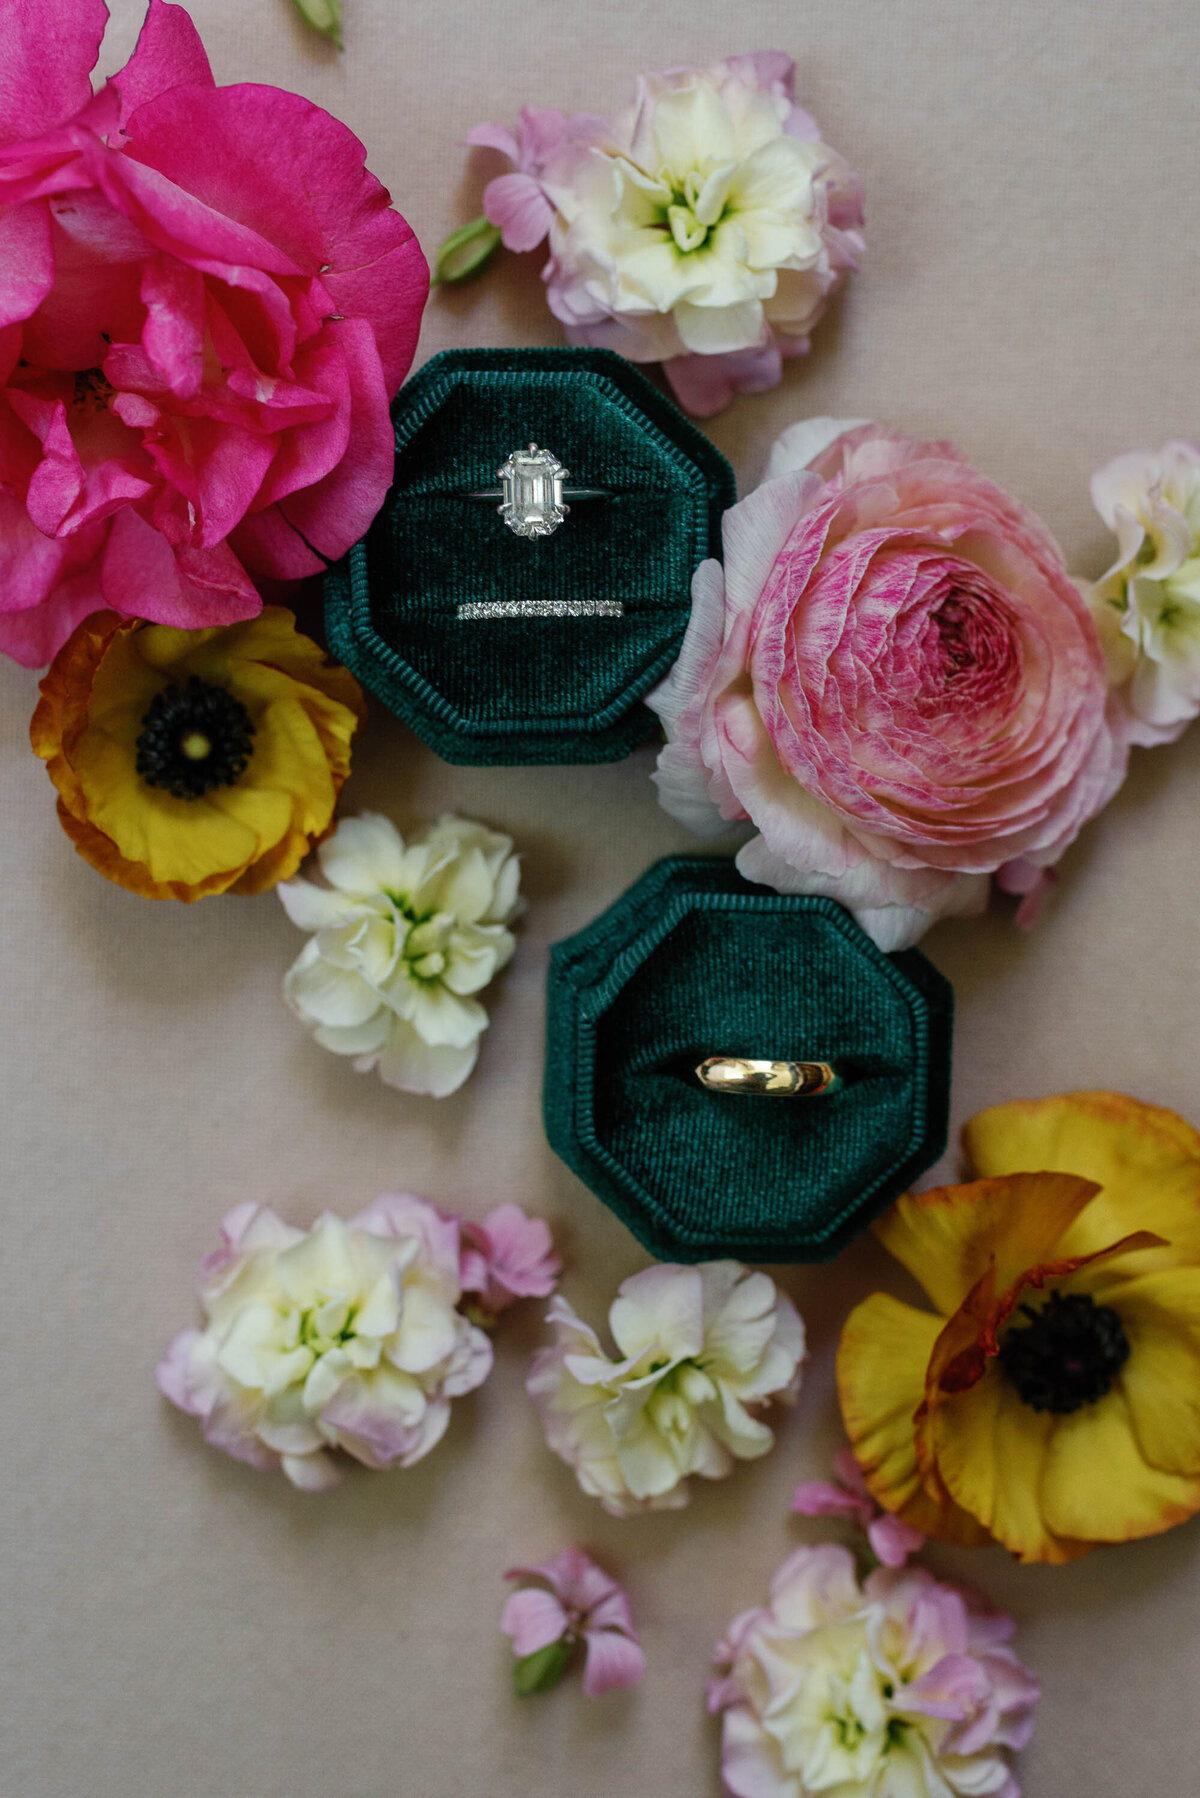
(346, 1336)
(404, 937)
(703, 1349)
(1147, 606)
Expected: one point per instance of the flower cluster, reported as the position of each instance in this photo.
(1147, 606)
(703, 1350)
(898, 1684)
(564, 1604)
(346, 1336)
(404, 937)
(1048, 1400)
(195, 762)
(207, 305)
(704, 228)
(893, 679)
(507, 1257)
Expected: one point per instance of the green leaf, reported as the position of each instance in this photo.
(324, 16)
(465, 251)
(542, 1670)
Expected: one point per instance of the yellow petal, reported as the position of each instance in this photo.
(881, 1362)
(991, 1450)
(948, 1237)
(175, 839)
(1161, 1380)
(1097, 1484)
(1146, 1160)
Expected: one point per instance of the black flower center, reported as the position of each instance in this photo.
(1067, 1355)
(193, 739)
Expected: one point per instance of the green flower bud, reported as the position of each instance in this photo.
(465, 251)
(324, 16)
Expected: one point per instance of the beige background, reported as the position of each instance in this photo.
(175, 1626)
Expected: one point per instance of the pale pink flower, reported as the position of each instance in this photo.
(571, 1601)
(705, 227)
(508, 1256)
(902, 1684)
(893, 679)
(346, 1336)
(892, 1541)
(205, 305)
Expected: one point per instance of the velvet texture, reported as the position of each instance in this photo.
(694, 961)
(522, 690)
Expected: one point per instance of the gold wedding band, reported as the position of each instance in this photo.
(739, 1075)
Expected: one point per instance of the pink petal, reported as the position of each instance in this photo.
(169, 53)
(517, 204)
(297, 177)
(173, 335)
(704, 385)
(269, 545)
(143, 577)
(543, 131)
(533, 1618)
(613, 1662)
(893, 1541)
(494, 137)
(26, 261)
(849, 1473)
(50, 49)
(818, 1498)
(339, 509)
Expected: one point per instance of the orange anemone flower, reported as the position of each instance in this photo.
(195, 762)
(1051, 1399)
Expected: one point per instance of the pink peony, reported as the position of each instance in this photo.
(893, 679)
(704, 228)
(892, 1541)
(205, 305)
(572, 1601)
(899, 1685)
(509, 1256)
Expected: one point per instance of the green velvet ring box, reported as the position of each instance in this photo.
(493, 683)
(692, 962)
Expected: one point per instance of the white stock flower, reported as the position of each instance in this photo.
(343, 1336)
(703, 1350)
(709, 220)
(1147, 606)
(404, 936)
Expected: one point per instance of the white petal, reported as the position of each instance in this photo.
(800, 443)
(364, 855)
(323, 994)
(312, 907)
(720, 330)
(312, 1473)
(412, 1065)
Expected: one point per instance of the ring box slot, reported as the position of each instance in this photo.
(693, 962)
(543, 688)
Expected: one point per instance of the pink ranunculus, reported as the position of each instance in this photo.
(893, 679)
(508, 1256)
(206, 303)
(892, 1541)
(705, 227)
(570, 1600)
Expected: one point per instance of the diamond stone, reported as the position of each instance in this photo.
(532, 485)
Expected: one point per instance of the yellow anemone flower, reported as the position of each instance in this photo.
(1051, 1400)
(195, 762)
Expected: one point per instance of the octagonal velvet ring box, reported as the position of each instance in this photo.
(694, 961)
(498, 648)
